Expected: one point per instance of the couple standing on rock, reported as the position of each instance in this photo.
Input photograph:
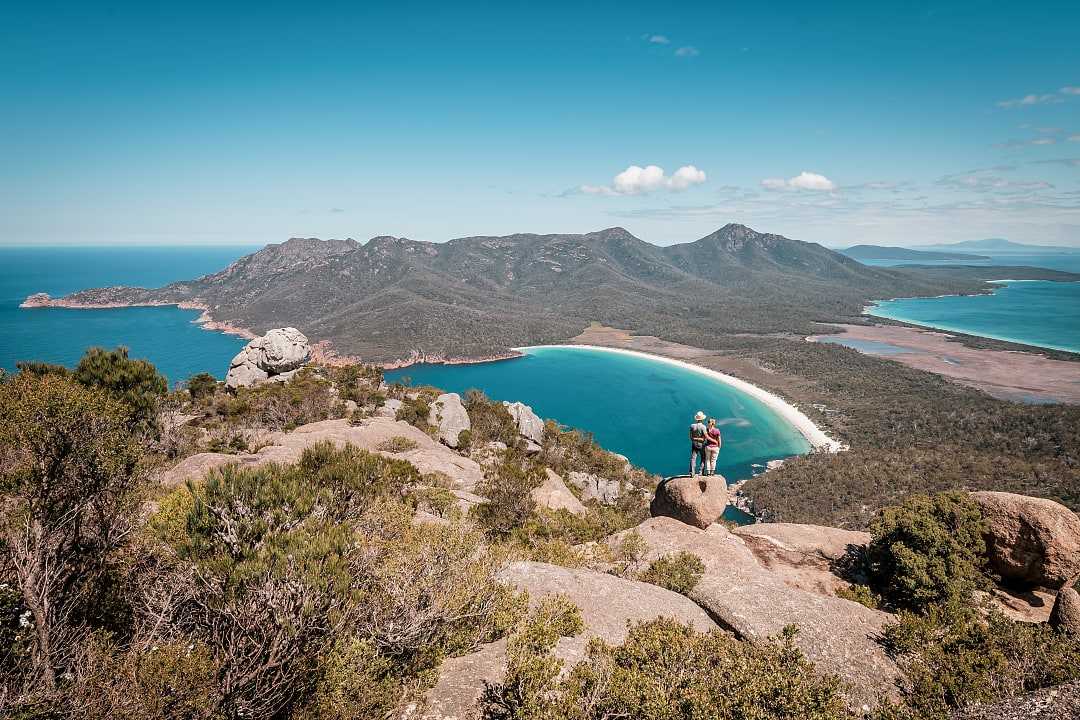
(704, 445)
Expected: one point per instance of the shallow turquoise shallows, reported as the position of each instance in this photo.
(167, 336)
(633, 405)
(1032, 312)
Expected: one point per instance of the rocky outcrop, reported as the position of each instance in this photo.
(279, 351)
(449, 416)
(529, 424)
(594, 487)
(1066, 613)
(607, 605)
(803, 556)
(554, 495)
(754, 602)
(697, 500)
(428, 456)
(1030, 541)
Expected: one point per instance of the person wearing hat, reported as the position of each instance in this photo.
(698, 439)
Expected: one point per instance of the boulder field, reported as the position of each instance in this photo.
(757, 579)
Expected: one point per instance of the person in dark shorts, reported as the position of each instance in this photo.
(698, 439)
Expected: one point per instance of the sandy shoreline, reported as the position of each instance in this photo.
(1004, 374)
(806, 427)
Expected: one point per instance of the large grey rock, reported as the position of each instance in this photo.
(278, 351)
(554, 495)
(448, 414)
(389, 409)
(1066, 613)
(428, 456)
(529, 424)
(1030, 541)
(594, 487)
(753, 601)
(697, 500)
(607, 604)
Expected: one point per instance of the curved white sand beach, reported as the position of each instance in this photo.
(813, 434)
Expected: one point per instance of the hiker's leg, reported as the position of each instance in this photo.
(693, 456)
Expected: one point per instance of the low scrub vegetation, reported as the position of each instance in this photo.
(679, 572)
(398, 444)
(665, 670)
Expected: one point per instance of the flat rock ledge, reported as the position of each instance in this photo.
(745, 596)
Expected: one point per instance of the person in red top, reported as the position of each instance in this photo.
(712, 446)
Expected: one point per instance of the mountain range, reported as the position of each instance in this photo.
(394, 298)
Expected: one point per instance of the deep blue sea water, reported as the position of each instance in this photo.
(636, 406)
(164, 335)
(1033, 312)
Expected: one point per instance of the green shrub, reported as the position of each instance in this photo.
(954, 657)
(860, 594)
(664, 671)
(136, 383)
(201, 386)
(435, 500)
(355, 681)
(490, 420)
(679, 572)
(415, 411)
(508, 487)
(926, 550)
(397, 444)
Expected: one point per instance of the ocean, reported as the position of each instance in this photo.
(635, 406)
(167, 336)
(1069, 262)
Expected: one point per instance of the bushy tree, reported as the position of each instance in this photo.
(201, 385)
(69, 469)
(490, 420)
(926, 550)
(508, 487)
(136, 383)
(953, 656)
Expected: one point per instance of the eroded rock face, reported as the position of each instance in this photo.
(1066, 612)
(594, 487)
(607, 604)
(279, 351)
(554, 495)
(529, 424)
(448, 414)
(803, 556)
(1030, 541)
(753, 601)
(697, 500)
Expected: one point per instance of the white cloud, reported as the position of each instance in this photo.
(1070, 90)
(803, 181)
(1043, 141)
(658, 39)
(637, 180)
(688, 51)
(1031, 99)
(1074, 138)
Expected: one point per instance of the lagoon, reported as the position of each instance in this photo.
(1030, 312)
(634, 405)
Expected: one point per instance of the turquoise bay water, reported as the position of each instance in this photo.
(164, 335)
(1032, 312)
(633, 405)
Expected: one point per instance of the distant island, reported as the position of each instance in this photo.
(999, 245)
(884, 252)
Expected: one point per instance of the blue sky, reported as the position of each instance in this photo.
(838, 123)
